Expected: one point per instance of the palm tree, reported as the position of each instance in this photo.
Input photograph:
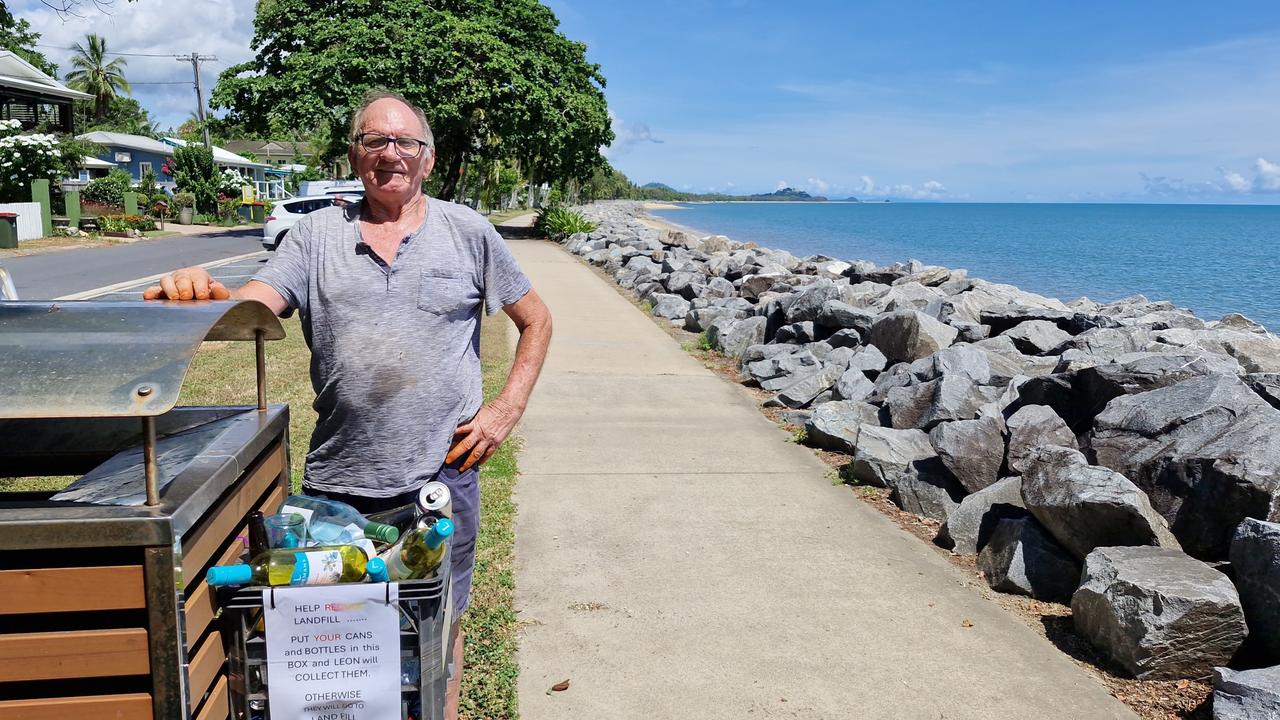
(94, 75)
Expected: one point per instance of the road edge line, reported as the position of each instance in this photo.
(108, 289)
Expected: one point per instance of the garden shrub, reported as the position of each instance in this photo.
(109, 190)
(25, 158)
(558, 222)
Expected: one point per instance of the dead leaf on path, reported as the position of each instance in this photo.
(966, 623)
(560, 686)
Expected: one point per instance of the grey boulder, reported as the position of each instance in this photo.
(1158, 613)
(839, 315)
(1204, 449)
(970, 525)
(908, 335)
(1255, 564)
(1246, 694)
(1086, 506)
(884, 452)
(925, 489)
(973, 450)
(806, 388)
(835, 425)
(1020, 558)
(1033, 426)
(732, 336)
(1037, 337)
(923, 405)
(670, 306)
(853, 385)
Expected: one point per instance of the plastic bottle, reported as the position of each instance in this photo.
(333, 522)
(419, 552)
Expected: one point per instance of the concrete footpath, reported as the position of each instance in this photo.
(678, 557)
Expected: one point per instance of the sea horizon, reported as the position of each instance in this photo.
(1213, 258)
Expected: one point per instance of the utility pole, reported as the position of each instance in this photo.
(195, 59)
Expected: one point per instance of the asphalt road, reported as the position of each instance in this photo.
(56, 274)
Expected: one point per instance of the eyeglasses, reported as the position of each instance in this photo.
(406, 147)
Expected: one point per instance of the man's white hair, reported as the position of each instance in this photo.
(374, 95)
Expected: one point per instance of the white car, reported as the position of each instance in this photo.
(287, 212)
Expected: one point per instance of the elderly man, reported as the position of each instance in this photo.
(389, 291)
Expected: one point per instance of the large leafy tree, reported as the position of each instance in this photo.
(95, 74)
(17, 36)
(496, 77)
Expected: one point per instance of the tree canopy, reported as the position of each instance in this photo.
(17, 36)
(94, 74)
(498, 81)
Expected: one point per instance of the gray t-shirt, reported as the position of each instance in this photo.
(395, 351)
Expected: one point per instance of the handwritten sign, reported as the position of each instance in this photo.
(333, 652)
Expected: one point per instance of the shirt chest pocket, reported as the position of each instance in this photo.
(443, 292)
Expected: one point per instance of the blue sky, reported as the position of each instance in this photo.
(1007, 101)
(991, 101)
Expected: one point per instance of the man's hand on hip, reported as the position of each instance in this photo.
(192, 283)
(479, 439)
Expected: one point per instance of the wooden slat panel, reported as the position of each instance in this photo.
(74, 654)
(49, 590)
(134, 706)
(199, 606)
(203, 541)
(216, 706)
(205, 665)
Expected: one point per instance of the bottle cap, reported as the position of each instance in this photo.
(229, 575)
(381, 532)
(439, 532)
(377, 570)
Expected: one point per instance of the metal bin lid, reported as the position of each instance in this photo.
(63, 359)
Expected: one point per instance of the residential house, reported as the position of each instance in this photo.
(282, 154)
(34, 98)
(133, 153)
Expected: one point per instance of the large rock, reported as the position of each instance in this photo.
(839, 315)
(957, 360)
(853, 385)
(803, 391)
(1037, 337)
(925, 489)
(970, 525)
(1255, 563)
(1157, 612)
(1086, 506)
(1033, 426)
(732, 337)
(670, 306)
(807, 303)
(868, 359)
(908, 335)
(1204, 450)
(1267, 385)
(923, 405)
(1005, 317)
(885, 452)
(973, 450)
(1246, 694)
(1022, 559)
(835, 425)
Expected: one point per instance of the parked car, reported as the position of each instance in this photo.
(287, 212)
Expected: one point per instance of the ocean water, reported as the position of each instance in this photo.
(1213, 259)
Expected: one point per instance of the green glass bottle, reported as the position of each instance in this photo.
(419, 552)
(325, 565)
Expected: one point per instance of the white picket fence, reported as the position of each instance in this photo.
(29, 225)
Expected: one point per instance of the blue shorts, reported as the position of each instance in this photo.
(465, 490)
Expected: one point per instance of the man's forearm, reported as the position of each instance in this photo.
(531, 351)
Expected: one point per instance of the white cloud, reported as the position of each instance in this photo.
(781, 184)
(627, 136)
(1265, 180)
(1235, 181)
(819, 185)
(930, 190)
(160, 27)
(1267, 177)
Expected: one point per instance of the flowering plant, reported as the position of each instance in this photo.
(168, 167)
(25, 158)
(231, 183)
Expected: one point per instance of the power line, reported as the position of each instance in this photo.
(122, 54)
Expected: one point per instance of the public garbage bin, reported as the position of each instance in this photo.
(258, 212)
(8, 230)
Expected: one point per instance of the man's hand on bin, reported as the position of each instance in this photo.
(479, 439)
(192, 283)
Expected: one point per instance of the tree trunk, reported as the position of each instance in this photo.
(451, 178)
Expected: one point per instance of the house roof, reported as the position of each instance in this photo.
(21, 75)
(269, 147)
(133, 142)
(93, 162)
(220, 155)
